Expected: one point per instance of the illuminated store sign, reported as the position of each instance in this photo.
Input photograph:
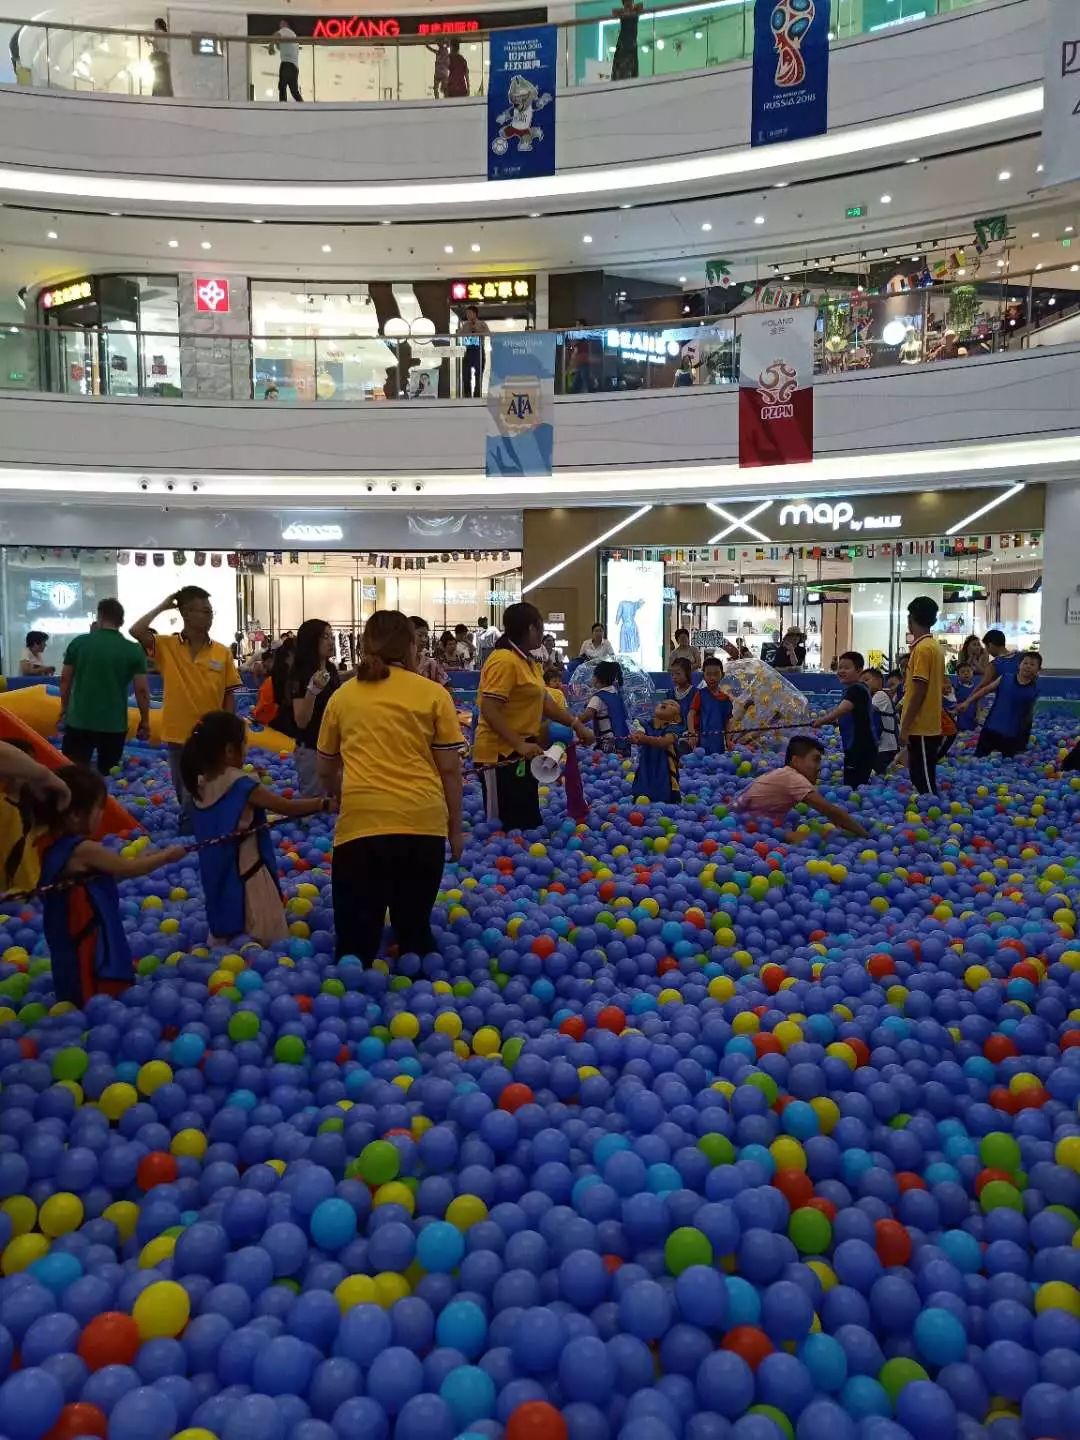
(212, 296)
(312, 532)
(642, 345)
(836, 517)
(494, 287)
(71, 294)
(391, 27)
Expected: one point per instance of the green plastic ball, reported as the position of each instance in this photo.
(379, 1162)
(685, 1247)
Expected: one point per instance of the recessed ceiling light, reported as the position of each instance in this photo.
(915, 259)
(626, 205)
(682, 279)
(1074, 268)
(115, 214)
(326, 249)
(1001, 265)
(759, 219)
(386, 222)
(206, 245)
(1039, 168)
(475, 248)
(586, 239)
(699, 35)
(448, 249)
(1038, 267)
(1004, 175)
(534, 214)
(886, 199)
(780, 185)
(52, 235)
(1068, 229)
(913, 160)
(707, 225)
(787, 277)
(1035, 234)
(256, 220)
(173, 244)
(961, 271)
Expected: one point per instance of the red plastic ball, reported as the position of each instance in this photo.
(536, 1420)
(80, 1418)
(1002, 1098)
(796, 1187)
(514, 1096)
(998, 1048)
(892, 1242)
(611, 1018)
(985, 1177)
(157, 1168)
(574, 1026)
(749, 1342)
(544, 945)
(765, 1043)
(879, 966)
(908, 1180)
(111, 1338)
(1071, 1039)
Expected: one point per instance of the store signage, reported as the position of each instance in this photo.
(71, 294)
(495, 287)
(212, 296)
(835, 517)
(641, 345)
(854, 212)
(312, 532)
(355, 27)
(390, 27)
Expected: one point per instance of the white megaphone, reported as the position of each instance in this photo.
(547, 767)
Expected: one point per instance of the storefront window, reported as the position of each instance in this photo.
(111, 335)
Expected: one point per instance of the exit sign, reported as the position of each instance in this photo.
(1067, 242)
(854, 212)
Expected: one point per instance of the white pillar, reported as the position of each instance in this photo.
(1060, 643)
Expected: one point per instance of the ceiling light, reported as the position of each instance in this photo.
(1038, 267)
(984, 509)
(173, 244)
(326, 249)
(534, 214)
(914, 160)
(448, 249)
(699, 35)
(915, 259)
(586, 549)
(52, 235)
(256, 220)
(586, 239)
(961, 271)
(475, 248)
(1068, 229)
(1001, 265)
(626, 205)
(759, 219)
(1074, 268)
(787, 277)
(386, 222)
(1052, 300)
(206, 245)
(780, 185)
(115, 214)
(1039, 168)
(682, 279)
(886, 199)
(707, 226)
(1035, 234)
(1004, 175)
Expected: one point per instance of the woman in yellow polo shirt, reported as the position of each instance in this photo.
(390, 745)
(513, 705)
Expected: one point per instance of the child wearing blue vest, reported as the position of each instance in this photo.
(606, 709)
(83, 929)
(858, 721)
(657, 775)
(239, 876)
(1008, 726)
(682, 686)
(710, 710)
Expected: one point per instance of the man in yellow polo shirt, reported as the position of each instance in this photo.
(198, 674)
(924, 687)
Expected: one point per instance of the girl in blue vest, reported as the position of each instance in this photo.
(657, 775)
(606, 710)
(682, 686)
(710, 710)
(239, 875)
(83, 929)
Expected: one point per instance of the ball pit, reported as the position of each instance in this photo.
(688, 1132)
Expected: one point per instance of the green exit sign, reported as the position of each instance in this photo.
(854, 212)
(1067, 242)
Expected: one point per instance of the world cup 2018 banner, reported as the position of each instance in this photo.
(521, 392)
(521, 103)
(791, 70)
(776, 387)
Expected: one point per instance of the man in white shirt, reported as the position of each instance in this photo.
(288, 78)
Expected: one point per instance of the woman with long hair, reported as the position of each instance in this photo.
(390, 745)
(513, 705)
(313, 678)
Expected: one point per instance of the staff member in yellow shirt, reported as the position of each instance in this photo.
(513, 705)
(198, 674)
(390, 746)
(924, 687)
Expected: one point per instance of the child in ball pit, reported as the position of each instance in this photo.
(710, 710)
(238, 875)
(773, 795)
(657, 775)
(82, 923)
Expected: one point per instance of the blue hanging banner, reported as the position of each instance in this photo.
(521, 393)
(791, 70)
(521, 103)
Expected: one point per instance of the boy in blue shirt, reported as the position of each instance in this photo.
(1008, 726)
(710, 709)
(964, 717)
(858, 721)
(658, 761)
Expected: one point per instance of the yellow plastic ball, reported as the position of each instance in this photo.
(21, 1252)
(195, 1432)
(405, 1026)
(395, 1193)
(827, 1111)
(825, 1273)
(788, 1153)
(390, 1288)
(976, 975)
(189, 1142)
(465, 1211)
(156, 1250)
(788, 1034)
(153, 1075)
(61, 1213)
(721, 987)
(117, 1099)
(448, 1022)
(1067, 1152)
(161, 1310)
(355, 1290)
(22, 1212)
(1057, 1295)
(843, 1052)
(669, 996)
(152, 902)
(124, 1214)
(486, 1041)
(746, 1023)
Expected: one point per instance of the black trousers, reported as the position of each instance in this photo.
(79, 746)
(510, 799)
(922, 751)
(399, 873)
(858, 768)
(288, 81)
(472, 371)
(1009, 745)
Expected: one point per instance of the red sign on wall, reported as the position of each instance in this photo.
(212, 296)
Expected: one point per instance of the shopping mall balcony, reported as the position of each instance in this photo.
(81, 127)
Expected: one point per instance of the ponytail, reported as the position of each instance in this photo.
(389, 639)
(205, 747)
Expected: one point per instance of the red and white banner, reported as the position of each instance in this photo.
(776, 387)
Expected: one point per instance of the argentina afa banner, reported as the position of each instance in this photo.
(1061, 94)
(521, 103)
(791, 70)
(521, 393)
(776, 387)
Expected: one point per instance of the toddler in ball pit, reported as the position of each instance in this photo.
(657, 774)
(238, 875)
(82, 924)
